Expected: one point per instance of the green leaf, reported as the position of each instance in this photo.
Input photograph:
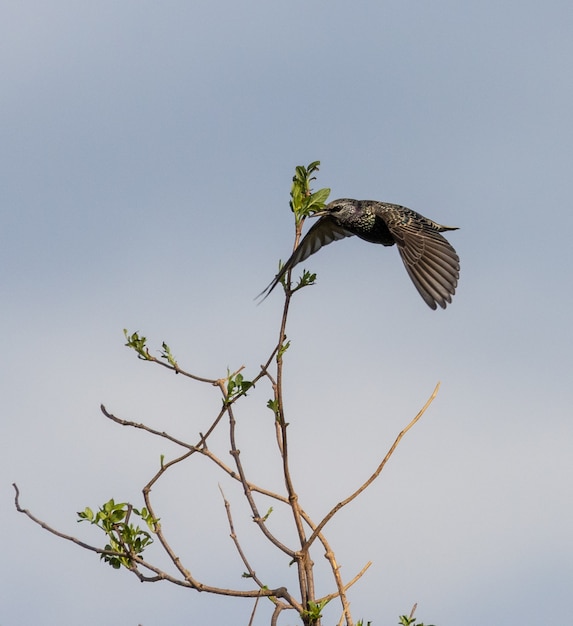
(283, 349)
(137, 343)
(314, 611)
(87, 515)
(267, 514)
(319, 198)
(307, 279)
(166, 354)
(273, 405)
(236, 386)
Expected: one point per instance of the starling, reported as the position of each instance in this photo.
(430, 260)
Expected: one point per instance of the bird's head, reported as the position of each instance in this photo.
(340, 207)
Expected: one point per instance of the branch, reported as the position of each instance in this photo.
(251, 571)
(232, 474)
(375, 475)
(280, 592)
(178, 370)
(257, 517)
(194, 448)
(347, 586)
(329, 554)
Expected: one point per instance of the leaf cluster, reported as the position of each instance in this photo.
(303, 202)
(236, 386)
(125, 539)
(314, 611)
(137, 343)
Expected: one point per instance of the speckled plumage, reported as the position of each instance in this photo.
(430, 260)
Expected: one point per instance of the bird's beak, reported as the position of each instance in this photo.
(319, 213)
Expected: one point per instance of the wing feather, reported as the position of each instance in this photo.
(430, 260)
(325, 231)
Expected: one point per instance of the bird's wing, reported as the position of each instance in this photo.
(325, 231)
(430, 260)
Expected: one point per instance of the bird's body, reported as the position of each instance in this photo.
(431, 262)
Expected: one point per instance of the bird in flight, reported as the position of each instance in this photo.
(430, 260)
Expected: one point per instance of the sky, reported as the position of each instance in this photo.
(147, 156)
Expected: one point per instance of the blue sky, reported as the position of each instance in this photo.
(147, 153)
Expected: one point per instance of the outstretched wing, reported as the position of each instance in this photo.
(430, 260)
(325, 231)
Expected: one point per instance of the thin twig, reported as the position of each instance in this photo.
(375, 475)
(55, 532)
(250, 570)
(163, 434)
(178, 370)
(347, 586)
(253, 612)
(146, 428)
(233, 474)
(235, 539)
(257, 517)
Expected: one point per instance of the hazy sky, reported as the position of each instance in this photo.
(147, 153)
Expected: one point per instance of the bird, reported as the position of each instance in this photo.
(431, 262)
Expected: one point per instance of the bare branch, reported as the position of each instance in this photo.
(375, 475)
(253, 612)
(275, 616)
(148, 429)
(257, 517)
(347, 586)
(55, 532)
(235, 539)
(234, 475)
(329, 554)
(178, 370)
(163, 434)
